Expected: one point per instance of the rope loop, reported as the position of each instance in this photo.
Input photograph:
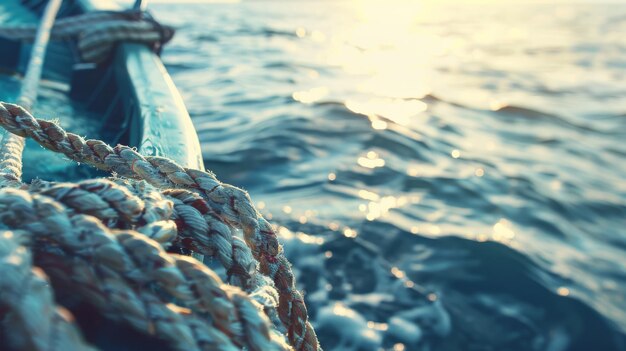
(98, 33)
(107, 239)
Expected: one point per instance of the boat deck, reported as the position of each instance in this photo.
(129, 100)
(53, 102)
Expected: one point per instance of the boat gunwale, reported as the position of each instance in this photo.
(160, 124)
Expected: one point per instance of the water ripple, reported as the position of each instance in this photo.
(442, 181)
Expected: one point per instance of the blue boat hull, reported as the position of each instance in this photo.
(131, 92)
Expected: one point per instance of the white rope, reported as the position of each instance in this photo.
(27, 305)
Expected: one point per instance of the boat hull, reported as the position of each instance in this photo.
(131, 92)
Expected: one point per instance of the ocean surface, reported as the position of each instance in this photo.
(446, 177)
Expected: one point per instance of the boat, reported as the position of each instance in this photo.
(129, 99)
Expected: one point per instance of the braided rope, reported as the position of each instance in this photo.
(25, 293)
(67, 27)
(130, 260)
(98, 32)
(202, 231)
(139, 308)
(11, 161)
(232, 205)
(96, 42)
(12, 146)
(116, 207)
(137, 205)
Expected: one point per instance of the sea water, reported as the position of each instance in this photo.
(424, 159)
(445, 177)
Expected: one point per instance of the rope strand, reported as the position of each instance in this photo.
(232, 205)
(12, 146)
(105, 239)
(97, 33)
(115, 269)
(26, 300)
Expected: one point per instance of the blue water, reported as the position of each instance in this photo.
(446, 177)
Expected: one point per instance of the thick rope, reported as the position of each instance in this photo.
(67, 27)
(11, 149)
(97, 33)
(27, 306)
(231, 204)
(141, 309)
(116, 207)
(126, 261)
(137, 205)
(118, 271)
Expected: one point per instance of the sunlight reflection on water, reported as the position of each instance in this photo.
(473, 153)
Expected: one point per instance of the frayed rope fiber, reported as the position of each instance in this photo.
(106, 238)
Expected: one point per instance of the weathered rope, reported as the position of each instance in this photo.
(116, 207)
(138, 205)
(11, 161)
(84, 236)
(12, 146)
(27, 306)
(66, 27)
(104, 261)
(231, 204)
(139, 308)
(97, 33)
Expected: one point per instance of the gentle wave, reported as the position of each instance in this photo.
(467, 194)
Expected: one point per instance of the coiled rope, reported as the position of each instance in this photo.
(26, 300)
(231, 204)
(97, 33)
(27, 303)
(117, 271)
(167, 203)
(106, 238)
